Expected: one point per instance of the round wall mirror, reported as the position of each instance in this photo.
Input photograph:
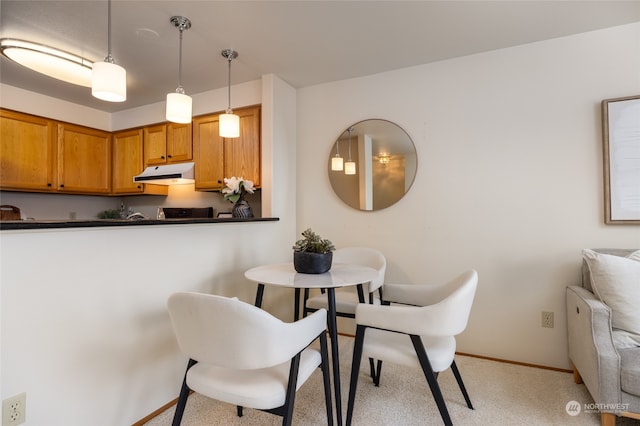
(372, 164)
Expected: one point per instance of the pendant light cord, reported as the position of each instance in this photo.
(109, 58)
(229, 86)
(180, 89)
(350, 129)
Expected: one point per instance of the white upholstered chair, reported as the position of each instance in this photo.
(417, 329)
(244, 356)
(348, 298)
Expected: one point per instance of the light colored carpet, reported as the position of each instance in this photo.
(502, 394)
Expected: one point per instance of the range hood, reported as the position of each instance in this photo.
(171, 174)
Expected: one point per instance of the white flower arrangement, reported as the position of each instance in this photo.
(236, 188)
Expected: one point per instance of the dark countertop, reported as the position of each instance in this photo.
(95, 223)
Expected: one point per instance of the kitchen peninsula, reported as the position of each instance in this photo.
(100, 223)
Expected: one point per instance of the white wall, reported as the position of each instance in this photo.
(509, 182)
(84, 326)
(509, 177)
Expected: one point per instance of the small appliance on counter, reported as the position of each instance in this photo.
(8, 212)
(187, 212)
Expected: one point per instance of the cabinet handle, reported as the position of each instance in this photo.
(62, 185)
(162, 157)
(49, 184)
(219, 181)
(139, 186)
(169, 156)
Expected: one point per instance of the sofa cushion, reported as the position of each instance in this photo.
(630, 371)
(623, 339)
(616, 281)
(586, 276)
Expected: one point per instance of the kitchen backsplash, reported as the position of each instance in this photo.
(38, 206)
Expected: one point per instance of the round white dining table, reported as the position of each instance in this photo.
(340, 275)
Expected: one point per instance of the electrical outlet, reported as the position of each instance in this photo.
(547, 319)
(14, 410)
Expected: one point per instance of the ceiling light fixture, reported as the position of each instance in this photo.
(337, 162)
(179, 104)
(48, 60)
(384, 159)
(350, 166)
(108, 80)
(229, 122)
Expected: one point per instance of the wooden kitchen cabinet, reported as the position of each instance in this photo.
(127, 162)
(167, 143)
(216, 158)
(27, 152)
(84, 160)
(208, 153)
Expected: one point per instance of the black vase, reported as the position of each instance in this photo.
(241, 209)
(312, 263)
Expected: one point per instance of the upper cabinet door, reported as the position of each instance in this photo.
(84, 160)
(27, 152)
(127, 161)
(242, 154)
(155, 145)
(217, 158)
(208, 153)
(179, 146)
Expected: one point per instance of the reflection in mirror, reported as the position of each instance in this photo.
(372, 164)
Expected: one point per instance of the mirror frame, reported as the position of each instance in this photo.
(391, 157)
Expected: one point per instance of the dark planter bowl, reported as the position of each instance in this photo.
(312, 263)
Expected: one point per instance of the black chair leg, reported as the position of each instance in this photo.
(184, 394)
(296, 304)
(375, 371)
(355, 370)
(239, 410)
(456, 373)
(324, 351)
(287, 415)
(431, 378)
(305, 297)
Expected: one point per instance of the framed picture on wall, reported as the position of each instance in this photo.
(621, 144)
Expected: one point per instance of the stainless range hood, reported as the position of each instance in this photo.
(171, 174)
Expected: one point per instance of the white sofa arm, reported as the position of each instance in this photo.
(591, 347)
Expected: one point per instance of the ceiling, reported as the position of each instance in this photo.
(303, 42)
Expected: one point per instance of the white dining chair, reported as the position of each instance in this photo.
(417, 329)
(242, 355)
(348, 298)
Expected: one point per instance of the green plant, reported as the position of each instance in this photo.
(313, 243)
(109, 214)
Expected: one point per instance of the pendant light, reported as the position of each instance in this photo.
(108, 80)
(337, 162)
(350, 166)
(178, 104)
(229, 122)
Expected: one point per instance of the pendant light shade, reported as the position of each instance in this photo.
(229, 122)
(350, 166)
(108, 80)
(337, 162)
(179, 105)
(229, 125)
(179, 108)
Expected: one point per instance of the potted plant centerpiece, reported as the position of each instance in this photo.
(312, 254)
